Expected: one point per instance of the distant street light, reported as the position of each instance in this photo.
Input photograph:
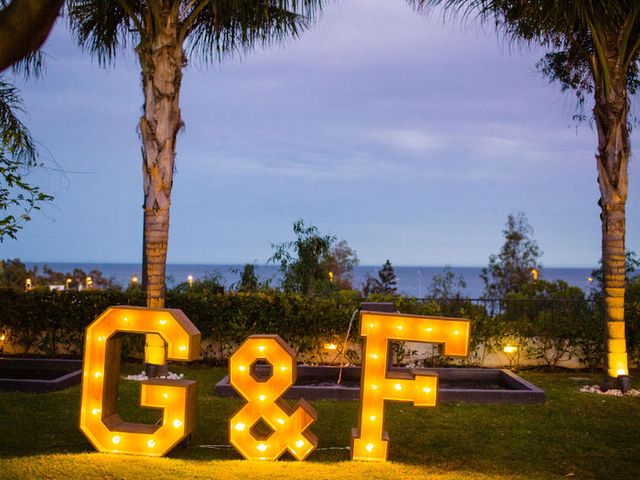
(190, 280)
(88, 282)
(134, 280)
(27, 284)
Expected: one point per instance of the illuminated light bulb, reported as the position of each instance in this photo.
(2, 337)
(330, 346)
(240, 426)
(97, 374)
(262, 447)
(95, 411)
(100, 339)
(242, 368)
(369, 447)
(262, 398)
(283, 368)
(126, 319)
(165, 395)
(115, 439)
(456, 332)
(426, 390)
(300, 443)
(510, 349)
(182, 348)
(163, 322)
(621, 371)
(399, 327)
(177, 423)
(371, 325)
(374, 356)
(429, 329)
(372, 418)
(280, 421)
(398, 387)
(374, 387)
(151, 443)
(261, 348)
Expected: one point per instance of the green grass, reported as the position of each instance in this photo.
(590, 436)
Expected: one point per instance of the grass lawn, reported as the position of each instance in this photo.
(589, 436)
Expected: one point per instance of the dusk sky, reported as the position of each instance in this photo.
(410, 137)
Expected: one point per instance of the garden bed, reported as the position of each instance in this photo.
(37, 375)
(472, 385)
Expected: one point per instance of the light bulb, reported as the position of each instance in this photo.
(374, 356)
(177, 423)
(280, 421)
(262, 447)
(369, 447)
(95, 411)
(151, 443)
(163, 322)
(299, 443)
(240, 426)
(262, 398)
(261, 348)
(242, 368)
(97, 374)
(426, 390)
(372, 418)
(398, 387)
(115, 439)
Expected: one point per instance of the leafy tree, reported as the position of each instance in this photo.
(446, 285)
(248, 279)
(385, 284)
(24, 26)
(18, 155)
(166, 33)
(594, 48)
(13, 273)
(302, 260)
(510, 270)
(339, 262)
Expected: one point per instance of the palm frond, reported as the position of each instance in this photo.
(216, 29)
(14, 136)
(102, 27)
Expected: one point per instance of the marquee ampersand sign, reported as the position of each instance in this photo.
(369, 441)
(289, 425)
(99, 419)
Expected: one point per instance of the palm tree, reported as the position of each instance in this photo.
(594, 49)
(165, 34)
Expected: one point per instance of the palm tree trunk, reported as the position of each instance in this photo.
(161, 60)
(610, 112)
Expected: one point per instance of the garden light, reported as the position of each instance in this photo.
(264, 404)
(330, 346)
(510, 349)
(369, 441)
(99, 419)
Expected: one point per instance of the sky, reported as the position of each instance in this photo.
(410, 137)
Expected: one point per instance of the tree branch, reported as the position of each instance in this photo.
(24, 26)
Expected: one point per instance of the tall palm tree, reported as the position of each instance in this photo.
(594, 49)
(166, 33)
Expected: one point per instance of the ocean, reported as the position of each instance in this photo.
(412, 281)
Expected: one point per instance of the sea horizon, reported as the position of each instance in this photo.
(411, 280)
